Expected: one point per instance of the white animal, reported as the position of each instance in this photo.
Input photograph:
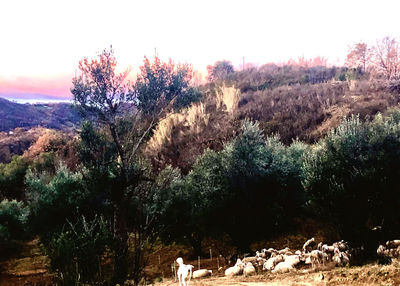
(340, 258)
(235, 270)
(202, 273)
(341, 245)
(308, 245)
(184, 271)
(252, 259)
(270, 263)
(292, 260)
(249, 269)
(393, 243)
(318, 257)
(282, 267)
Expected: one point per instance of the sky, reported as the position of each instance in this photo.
(43, 41)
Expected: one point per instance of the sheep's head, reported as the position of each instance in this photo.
(179, 260)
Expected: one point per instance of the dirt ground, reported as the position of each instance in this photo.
(371, 274)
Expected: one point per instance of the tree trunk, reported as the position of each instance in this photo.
(120, 242)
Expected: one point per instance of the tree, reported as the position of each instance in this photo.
(359, 57)
(125, 116)
(219, 71)
(387, 57)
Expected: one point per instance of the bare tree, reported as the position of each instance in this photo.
(387, 57)
(359, 57)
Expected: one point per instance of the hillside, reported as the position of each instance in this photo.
(59, 116)
(303, 111)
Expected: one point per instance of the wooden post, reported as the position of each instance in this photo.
(217, 263)
(159, 260)
(210, 254)
(173, 268)
(199, 261)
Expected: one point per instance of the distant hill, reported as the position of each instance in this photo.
(60, 116)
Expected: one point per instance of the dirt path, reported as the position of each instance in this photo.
(372, 274)
(28, 266)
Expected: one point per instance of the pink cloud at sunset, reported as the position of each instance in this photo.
(43, 40)
(24, 87)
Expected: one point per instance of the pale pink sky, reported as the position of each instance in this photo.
(43, 41)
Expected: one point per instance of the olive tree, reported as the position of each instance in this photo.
(124, 114)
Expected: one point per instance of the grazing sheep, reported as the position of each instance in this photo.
(340, 258)
(292, 260)
(285, 251)
(328, 248)
(261, 261)
(270, 263)
(308, 245)
(341, 245)
(184, 271)
(252, 259)
(282, 267)
(261, 254)
(318, 257)
(235, 270)
(202, 273)
(249, 269)
(393, 243)
(319, 246)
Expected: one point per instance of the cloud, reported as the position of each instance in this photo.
(35, 87)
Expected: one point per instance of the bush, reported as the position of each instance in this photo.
(352, 178)
(229, 192)
(12, 221)
(12, 185)
(75, 252)
(53, 200)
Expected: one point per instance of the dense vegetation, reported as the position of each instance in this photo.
(243, 157)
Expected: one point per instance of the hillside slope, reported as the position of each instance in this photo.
(59, 116)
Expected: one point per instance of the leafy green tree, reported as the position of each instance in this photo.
(219, 71)
(13, 216)
(54, 200)
(12, 185)
(252, 179)
(125, 117)
(160, 83)
(351, 178)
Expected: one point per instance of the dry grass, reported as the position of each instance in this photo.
(193, 117)
(227, 97)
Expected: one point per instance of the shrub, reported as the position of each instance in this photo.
(53, 200)
(352, 177)
(75, 252)
(12, 221)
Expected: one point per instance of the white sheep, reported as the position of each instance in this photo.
(393, 243)
(282, 267)
(318, 257)
(249, 269)
(341, 245)
(184, 271)
(235, 270)
(308, 245)
(340, 258)
(292, 260)
(252, 259)
(202, 273)
(270, 263)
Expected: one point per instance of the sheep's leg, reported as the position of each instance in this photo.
(180, 280)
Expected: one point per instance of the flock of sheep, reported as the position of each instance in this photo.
(285, 260)
(390, 250)
(277, 261)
